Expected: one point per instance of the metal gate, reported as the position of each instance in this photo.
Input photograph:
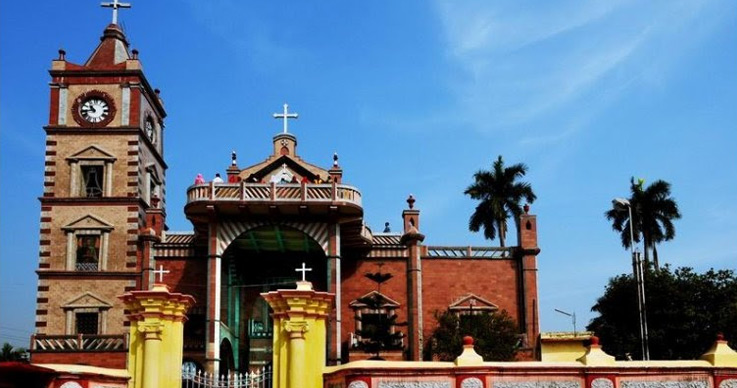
(193, 378)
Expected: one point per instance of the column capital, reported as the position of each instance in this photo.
(296, 329)
(151, 330)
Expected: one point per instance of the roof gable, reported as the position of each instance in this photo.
(92, 152)
(275, 167)
(386, 301)
(88, 222)
(86, 300)
(471, 302)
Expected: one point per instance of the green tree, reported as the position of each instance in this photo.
(9, 353)
(653, 212)
(500, 195)
(377, 329)
(685, 311)
(495, 335)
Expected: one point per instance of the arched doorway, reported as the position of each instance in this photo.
(227, 361)
(263, 259)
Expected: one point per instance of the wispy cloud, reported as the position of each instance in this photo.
(525, 64)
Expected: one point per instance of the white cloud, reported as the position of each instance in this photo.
(524, 63)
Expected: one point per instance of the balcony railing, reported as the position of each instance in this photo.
(468, 252)
(245, 192)
(79, 343)
(86, 266)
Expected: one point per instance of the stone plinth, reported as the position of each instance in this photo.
(299, 335)
(156, 336)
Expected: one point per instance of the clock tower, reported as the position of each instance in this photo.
(103, 203)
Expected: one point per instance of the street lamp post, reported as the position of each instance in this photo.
(572, 315)
(620, 203)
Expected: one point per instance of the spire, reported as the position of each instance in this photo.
(112, 50)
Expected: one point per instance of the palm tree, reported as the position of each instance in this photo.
(500, 195)
(653, 212)
(9, 353)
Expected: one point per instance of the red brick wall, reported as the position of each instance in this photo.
(354, 285)
(187, 276)
(101, 359)
(444, 281)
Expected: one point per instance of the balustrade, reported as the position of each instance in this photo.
(246, 192)
(79, 343)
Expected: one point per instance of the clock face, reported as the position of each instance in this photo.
(94, 110)
(148, 127)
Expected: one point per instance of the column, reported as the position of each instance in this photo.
(296, 331)
(71, 253)
(73, 179)
(151, 353)
(214, 263)
(412, 238)
(528, 251)
(108, 178)
(334, 286)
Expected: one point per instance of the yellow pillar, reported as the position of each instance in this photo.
(299, 335)
(296, 331)
(156, 336)
(151, 352)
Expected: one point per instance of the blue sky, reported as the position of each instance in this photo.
(415, 96)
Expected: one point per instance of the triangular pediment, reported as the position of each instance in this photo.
(473, 302)
(92, 153)
(86, 300)
(88, 222)
(280, 165)
(385, 300)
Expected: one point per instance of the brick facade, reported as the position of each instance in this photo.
(248, 234)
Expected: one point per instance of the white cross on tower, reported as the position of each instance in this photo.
(286, 116)
(115, 4)
(160, 272)
(304, 270)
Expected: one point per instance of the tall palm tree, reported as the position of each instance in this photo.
(653, 212)
(500, 195)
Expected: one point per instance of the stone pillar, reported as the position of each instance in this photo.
(212, 331)
(334, 277)
(156, 336)
(299, 335)
(412, 239)
(527, 256)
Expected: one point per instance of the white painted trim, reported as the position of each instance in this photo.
(73, 179)
(70, 251)
(62, 114)
(125, 106)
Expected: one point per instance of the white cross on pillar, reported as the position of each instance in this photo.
(304, 270)
(115, 4)
(160, 272)
(285, 116)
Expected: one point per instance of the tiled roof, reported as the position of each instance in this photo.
(386, 239)
(179, 238)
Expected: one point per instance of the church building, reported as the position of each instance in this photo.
(266, 225)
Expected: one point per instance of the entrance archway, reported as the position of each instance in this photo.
(258, 260)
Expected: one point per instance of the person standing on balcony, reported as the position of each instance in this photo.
(199, 180)
(217, 178)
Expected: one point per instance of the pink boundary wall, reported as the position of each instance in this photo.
(633, 374)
